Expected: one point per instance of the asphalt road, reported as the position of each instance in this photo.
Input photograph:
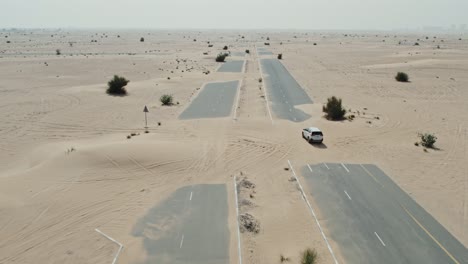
(232, 66)
(238, 53)
(283, 91)
(374, 221)
(191, 226)
(264, 51)
(215, 100)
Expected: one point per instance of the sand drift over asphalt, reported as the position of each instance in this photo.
(374, 221)
(215, 100)
(283, 91)
(232, 66)
(191, 226)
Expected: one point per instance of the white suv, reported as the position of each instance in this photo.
(312, 134)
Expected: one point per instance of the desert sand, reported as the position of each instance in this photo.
(67, 167)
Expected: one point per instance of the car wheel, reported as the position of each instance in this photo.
(303, 135)
(310, 141)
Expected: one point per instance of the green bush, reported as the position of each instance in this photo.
(334, 109)
(402, 77)
(116, 86)
(225, 48)
(221, 57)
(58, 52)
(142, 39)
(428, 140)
(247, 51)
(280, 56)
(166, 99)
(309, 256)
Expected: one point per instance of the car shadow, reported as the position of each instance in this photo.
(319, 145)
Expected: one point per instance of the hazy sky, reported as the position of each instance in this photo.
(248, 14)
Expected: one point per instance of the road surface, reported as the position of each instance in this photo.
(191, 226)
(374, 221)
(264, 51)
(232, 66)
(283, 91)
(238, 53)
(215, 100)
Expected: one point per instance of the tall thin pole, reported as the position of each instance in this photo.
(146, 121)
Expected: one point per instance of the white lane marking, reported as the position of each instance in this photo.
(326, 165)
(349, 197)
(237, 221)
(379, 239)
(181, 241)
(113, 240)
(309, 168)
(344, 167)
(191, 193)
(264, 87)
(238, 99)
(313, 213)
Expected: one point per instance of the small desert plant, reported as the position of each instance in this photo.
(428, 140)
(166, 99)
(221, 57)
(416, 44)
(309, 256)
(225, 48)
(402, 77)
(142, 39)
(334, 109)
(247, 51)
(58, 52)
(283, 258)
(260, 80)
(280, 56)
(116, 85)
